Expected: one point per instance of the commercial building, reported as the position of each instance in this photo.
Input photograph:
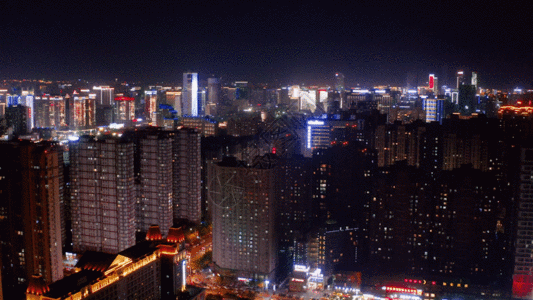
(152, 269)
(103, 193)
(124, 109)
(189, 95)
(31, 189)
(320, 132)
(205, 125)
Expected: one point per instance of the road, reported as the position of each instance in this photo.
(200, 249)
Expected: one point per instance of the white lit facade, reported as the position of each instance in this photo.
(190, 94)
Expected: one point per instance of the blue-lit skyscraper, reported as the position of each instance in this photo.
(189, 94)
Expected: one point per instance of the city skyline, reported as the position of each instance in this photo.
(394, 44)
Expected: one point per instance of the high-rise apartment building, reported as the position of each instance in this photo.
(31, 189)
(187, 165)
(153, 178)
(242, 205)
(189, 94)
(523, 265)
(103, 194)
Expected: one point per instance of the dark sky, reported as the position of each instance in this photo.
(371, 42)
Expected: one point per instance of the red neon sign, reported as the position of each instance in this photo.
(124, 99)
(431, 81)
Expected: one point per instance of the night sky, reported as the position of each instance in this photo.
(373, 43)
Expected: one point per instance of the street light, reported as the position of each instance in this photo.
(266, 284)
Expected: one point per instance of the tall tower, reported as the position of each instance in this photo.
(474, 80)
(153, 178)
(31, 189)
(190, 94)
(187, 164)
(103, 194)
(460, 75)
(523, 266)
(339, 82)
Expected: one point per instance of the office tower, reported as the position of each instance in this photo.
(242, 90)
(434, 108)
(174, 99)
(433, 84)
(523, 266)
(31, 189)
(104, 95)
(202, 101)
(103, 194)
(187, 165)
(50, 111)
(460, 75)
(468, 103)
(124, 109)
(149, 270)
(82, 111)
(320, 133)
(189, 94)
(150, 105)
(213, 95)
(474, 80)
(153, 178)
(339, 82)
(242, 205)
(18, 120)
(205, 125)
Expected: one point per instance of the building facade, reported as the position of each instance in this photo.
(103, 194)
(31, 189)
(242, 204)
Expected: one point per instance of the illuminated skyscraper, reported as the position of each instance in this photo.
(433, 84)
(150, 105)
(124, 109)
(460, 75)
(104, 95)
(339, 82)
(189, 94)
(474, 80)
